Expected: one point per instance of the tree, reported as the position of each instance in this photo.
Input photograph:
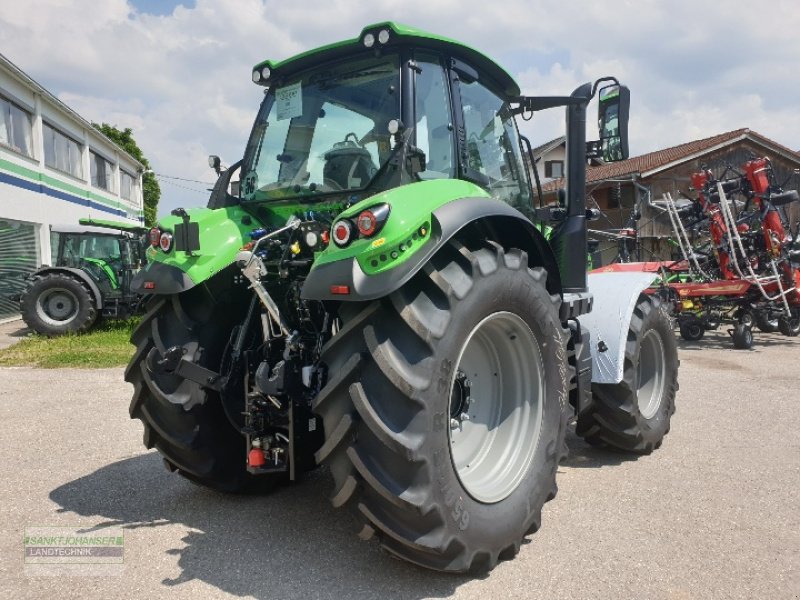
(150, 188)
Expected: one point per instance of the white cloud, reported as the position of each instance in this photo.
(181, 81)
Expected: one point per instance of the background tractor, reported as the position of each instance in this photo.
(93, 266)
(374, 294)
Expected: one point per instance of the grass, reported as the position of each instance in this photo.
(106, 345)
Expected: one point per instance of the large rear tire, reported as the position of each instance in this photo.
(445, 409)
(634, 415)
(200, 443)
(56, 304)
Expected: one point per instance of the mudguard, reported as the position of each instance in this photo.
(615, 296)
(446, 221)
(222, 233)
(78, 274)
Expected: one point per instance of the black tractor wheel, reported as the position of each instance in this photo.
(766, 323)
(57, 304)
(692, 330)
(634, 415)
(742, 337)
(185, 422)
(445, 409)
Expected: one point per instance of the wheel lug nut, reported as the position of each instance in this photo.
(455, 424)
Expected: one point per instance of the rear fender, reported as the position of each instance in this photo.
(222, 233)
(614, 297)
(480, 217)
(77, 274)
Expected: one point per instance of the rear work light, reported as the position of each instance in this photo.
(154, 236)
(165, 241)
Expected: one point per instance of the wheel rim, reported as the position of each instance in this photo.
(496, 405)
(650, 374)
(57, 306)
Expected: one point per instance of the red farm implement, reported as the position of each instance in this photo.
(739, 260)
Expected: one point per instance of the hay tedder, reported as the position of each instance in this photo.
(739, 264)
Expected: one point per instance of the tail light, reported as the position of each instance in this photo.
(165, 241)
(342, 233)
(368, 223)
(154, 236)
(371, 220)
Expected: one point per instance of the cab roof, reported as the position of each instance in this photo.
(399, 35)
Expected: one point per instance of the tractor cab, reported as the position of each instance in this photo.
(394, 106)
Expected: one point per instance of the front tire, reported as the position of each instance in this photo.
(57, 304)
(634, 415)
(437, 489)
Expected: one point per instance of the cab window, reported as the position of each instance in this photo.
(494, 159)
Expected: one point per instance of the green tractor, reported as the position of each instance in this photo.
(94, 264)
(374, 294)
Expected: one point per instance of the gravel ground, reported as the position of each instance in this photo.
(715, 513)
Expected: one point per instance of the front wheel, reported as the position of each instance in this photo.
(634, 414)
(445, 409)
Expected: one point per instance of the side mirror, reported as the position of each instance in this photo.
(612, 119)
(215, 163)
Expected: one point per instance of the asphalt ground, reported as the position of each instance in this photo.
(714, 513)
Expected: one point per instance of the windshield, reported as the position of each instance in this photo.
(323, 132)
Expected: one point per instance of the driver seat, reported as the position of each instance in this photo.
(348, 166)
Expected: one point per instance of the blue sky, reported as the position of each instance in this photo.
(178, 73)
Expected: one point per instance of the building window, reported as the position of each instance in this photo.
(15, 128)
(62, 152)
(101, 171)
(125, 185)
(554, 168)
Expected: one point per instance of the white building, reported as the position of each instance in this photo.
(55, 168)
